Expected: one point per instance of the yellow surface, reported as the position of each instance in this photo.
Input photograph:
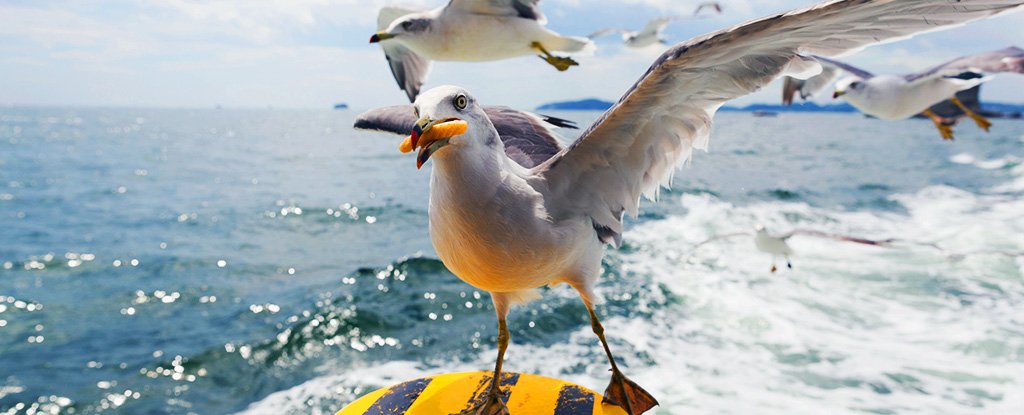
(452, 393)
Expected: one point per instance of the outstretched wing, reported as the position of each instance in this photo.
(712, 5)
(830, 70)
(844, 238)
(656, 25)
(410, 70)
(605, 31)
(1010, 59)
(526, 9)
(721, 237)
(636, 145)
(810, 86)
(528, 137)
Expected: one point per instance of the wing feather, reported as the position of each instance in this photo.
(409, 69)
(810, 86)
(1009, 59)
(526, 9)
(636, 145)
(529, 138)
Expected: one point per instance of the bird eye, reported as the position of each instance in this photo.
(855, 85)
(460, 102)
(406, 25)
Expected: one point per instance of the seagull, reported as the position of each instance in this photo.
(651, 33)
(468, 31)
(777, 245)
(896, 97)
(509, 228)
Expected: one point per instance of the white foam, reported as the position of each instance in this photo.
(851, 328)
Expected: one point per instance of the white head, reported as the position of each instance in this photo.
(852, 86)
(406, 27)
(447, 107)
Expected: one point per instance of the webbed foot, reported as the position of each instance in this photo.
(628, 395)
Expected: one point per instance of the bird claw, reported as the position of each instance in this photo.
(982, 122)
(560, 63)
(492, 405)
(946, 131)
(627, 395)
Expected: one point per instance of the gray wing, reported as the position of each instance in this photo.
(830, 70)
(858, 72)
(1010, 59)
(844, 238)
(526, 9)
(656, 25)
(636, 145)
(603, 32)
(713, 5)
(528, 137)
(721, 237)
(810, 86)
(410, 70)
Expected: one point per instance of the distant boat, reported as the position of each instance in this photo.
(341, 106)
(763, 113)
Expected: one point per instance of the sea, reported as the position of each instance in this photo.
(274, 261)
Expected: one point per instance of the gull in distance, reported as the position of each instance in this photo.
(507, 226)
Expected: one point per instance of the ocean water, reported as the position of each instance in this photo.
(276, 261)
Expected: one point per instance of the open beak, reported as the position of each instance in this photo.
(838, 94)
(380, 36)
(430, 135)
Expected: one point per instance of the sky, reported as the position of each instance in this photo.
(314, 53)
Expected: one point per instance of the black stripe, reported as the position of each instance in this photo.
(399, 398)
(508, 381)
(574, 400)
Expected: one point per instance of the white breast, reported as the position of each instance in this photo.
(489, 227)
(474, 38)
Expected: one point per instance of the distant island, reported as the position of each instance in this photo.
(595, 104)
(341, 106)
(589, 104)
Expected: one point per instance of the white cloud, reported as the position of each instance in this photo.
(313, 53)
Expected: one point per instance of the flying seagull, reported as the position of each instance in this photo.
(651, 33)
(508, 228)
(777, 245)
(896, 97)
(467, 31)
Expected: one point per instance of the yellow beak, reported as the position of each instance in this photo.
(380, 37)
(430, 135)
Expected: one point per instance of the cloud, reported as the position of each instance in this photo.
(314, 52)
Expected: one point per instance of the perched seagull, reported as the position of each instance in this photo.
(509, 228)
(776, 245)
(651, 33)
(467, 31)
(896, 97)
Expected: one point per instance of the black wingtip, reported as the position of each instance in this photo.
(559, 122)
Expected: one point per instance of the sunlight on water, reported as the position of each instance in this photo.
(180, 261)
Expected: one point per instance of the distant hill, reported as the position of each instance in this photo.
(341, 106)
(594, 104)
(796, 107)
(589, 104)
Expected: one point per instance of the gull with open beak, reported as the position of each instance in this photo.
(509, 227)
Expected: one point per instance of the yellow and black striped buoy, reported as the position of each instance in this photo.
(452, 393)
